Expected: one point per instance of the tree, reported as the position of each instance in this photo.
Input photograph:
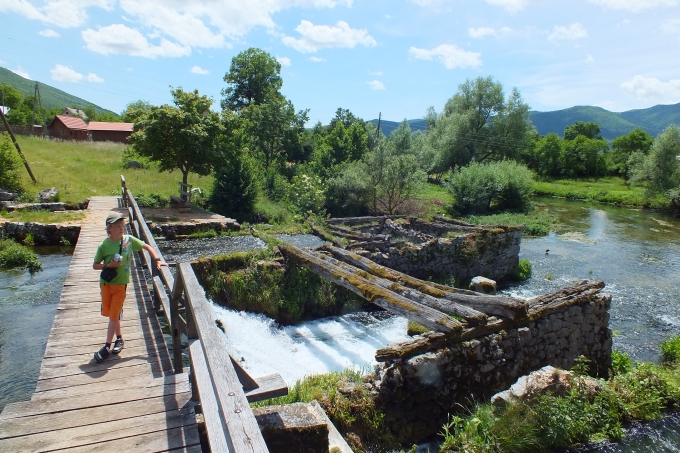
(181, 137)
(660, 170)
(134, 110)
(584, 157)
(270, 126)
(623, 147)
(548, 152)
(10, 165)
(253, 78)
(9, 96)
(479, 123)
(589, 130)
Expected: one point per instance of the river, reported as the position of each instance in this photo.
(637, 254)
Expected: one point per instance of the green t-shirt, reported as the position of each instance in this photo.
(108, 248)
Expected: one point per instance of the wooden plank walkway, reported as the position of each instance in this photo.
(132, 402)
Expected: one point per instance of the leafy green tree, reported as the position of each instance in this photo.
(660, 170)
(589, 130)
(348, 193)
(10, 165)
(179, 137)
(584, 157)
(271, 127)
(234, 188)
(134, 110)
(254, 78)
(623, 147)
(504, 185)
(109, 118)
(9, 96)
(479, 123)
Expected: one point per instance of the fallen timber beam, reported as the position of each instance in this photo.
(355, 220)
(382, 297)
(349, 234)
(323, 235)
(542, 306)
(473, 317)
(505, 307)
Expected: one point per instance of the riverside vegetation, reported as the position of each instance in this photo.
(14, 255)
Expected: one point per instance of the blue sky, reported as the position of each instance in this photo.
(394, 57)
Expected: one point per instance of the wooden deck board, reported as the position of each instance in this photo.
(130, 402)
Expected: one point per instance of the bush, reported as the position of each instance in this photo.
(480, 188)
(348, 194)
(153, 200)
(307, 194)
(13, 255)
(10, 165)
(621, 363)
(523, 270)
(670, 349)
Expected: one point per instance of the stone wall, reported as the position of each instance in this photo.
(43, 234)
(418, 392)
(173, 230)
(490, 253)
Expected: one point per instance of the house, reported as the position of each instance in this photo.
(74, 113)
(68, 128)
(113, 132)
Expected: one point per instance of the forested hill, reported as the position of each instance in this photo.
(51, 97)
(653, 120)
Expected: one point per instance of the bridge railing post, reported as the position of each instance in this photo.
(123, 190)
(175, 297)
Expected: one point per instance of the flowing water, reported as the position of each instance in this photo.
(637, 254)
(27, 307)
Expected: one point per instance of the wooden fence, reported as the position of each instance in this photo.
(222, 386)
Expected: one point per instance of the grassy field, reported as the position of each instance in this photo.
(80, 170)
(606, 190)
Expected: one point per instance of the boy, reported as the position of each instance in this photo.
(115, 252)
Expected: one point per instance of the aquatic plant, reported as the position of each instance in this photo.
(523, 270)
(14, 255)
(670, 349)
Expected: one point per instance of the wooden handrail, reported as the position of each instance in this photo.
(218, 382)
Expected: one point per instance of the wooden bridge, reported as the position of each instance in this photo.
(140, 400)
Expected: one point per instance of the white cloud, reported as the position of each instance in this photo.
(199, 70)
(634, 5)
(20, 72)
(119, 39)
(92, 77)
(62, 73)
(449, 55)
(49, 33)
(481, 32)
(317, 37)
(376, 85)
(590, 59)
(285, 61)
(377, 73)
(317, 59)
(572, 32)
(671, 27)
(653, 88)
(62, 13)
(512, 6)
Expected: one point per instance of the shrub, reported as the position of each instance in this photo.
(13, 255)
(670, 349)
(480, 188)
(10, 165)
(307, 194)
(234, 190)
(523, 270)
(348, 194)
(153, 200)
(621, 363)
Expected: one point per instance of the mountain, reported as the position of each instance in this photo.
(386, 127)
(51, 97)
(653, 119)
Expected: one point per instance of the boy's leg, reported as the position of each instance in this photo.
(113, 297)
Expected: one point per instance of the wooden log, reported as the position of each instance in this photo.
(506, 307)
(382, 297)
(323, 235)
(356, 220)
(368, 245)
(349, 234)
(546, 304)
(429, 341)
(473, 317)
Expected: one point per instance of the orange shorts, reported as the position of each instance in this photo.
(113, 297)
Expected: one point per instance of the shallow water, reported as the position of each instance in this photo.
(27, 307)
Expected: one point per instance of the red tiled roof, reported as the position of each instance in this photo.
(71, 122)
(104, 126)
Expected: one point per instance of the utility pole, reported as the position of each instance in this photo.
(37, 102)
(16, 144)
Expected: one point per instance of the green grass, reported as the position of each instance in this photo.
(538, 223)
(14, 255)
(80, 170)
(431, 200)
(607, 190)
(42, 216)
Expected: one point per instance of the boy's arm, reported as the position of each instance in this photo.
(154, 257)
